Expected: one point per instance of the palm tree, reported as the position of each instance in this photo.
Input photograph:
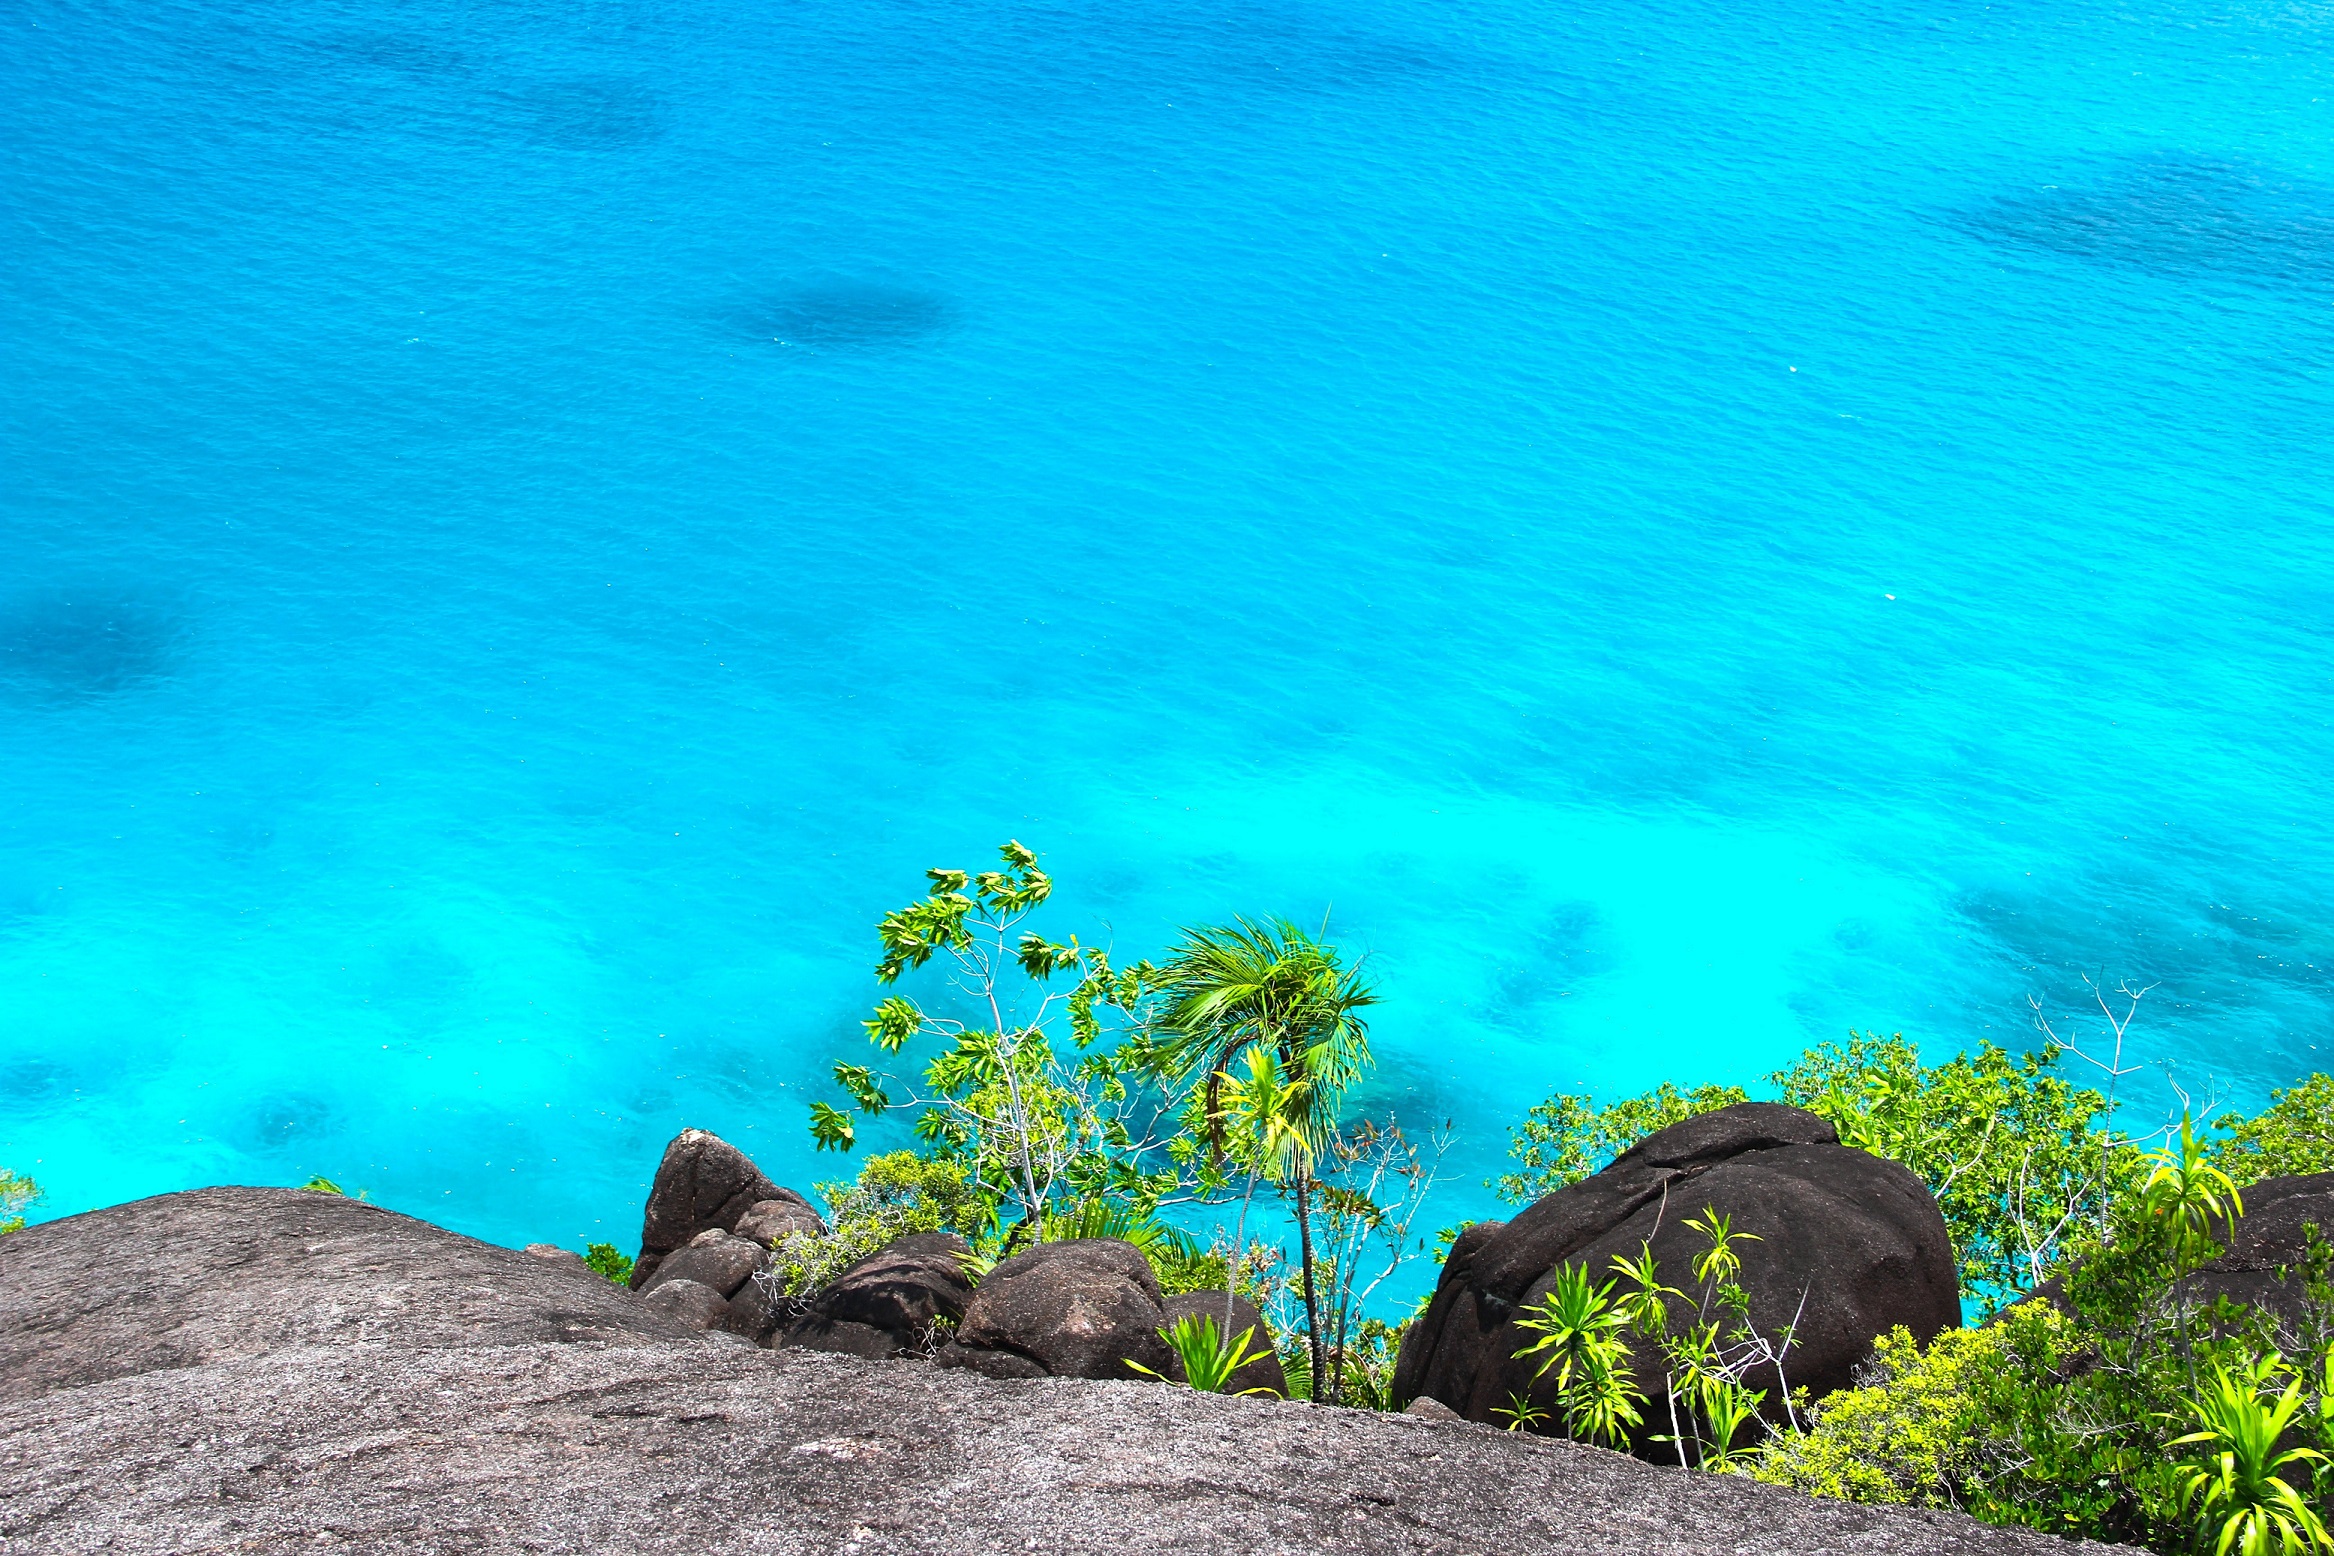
(1273, 987)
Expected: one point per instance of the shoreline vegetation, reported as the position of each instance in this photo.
(2107, 1389)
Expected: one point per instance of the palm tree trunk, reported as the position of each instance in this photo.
(1312, 1305)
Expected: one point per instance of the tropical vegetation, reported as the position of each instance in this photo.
(1045, 1089)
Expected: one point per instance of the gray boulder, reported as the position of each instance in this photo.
(690, 1303)
(721, 1260)
(1262, 1373)
(765, 1221)
(188, 1280)
(702, 1184)
(894, 1302)
(258, 1370)
(355, 1379)
(1082, 1308)
(1851, 1245)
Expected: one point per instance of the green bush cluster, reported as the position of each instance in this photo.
(1913, 1431)
(2294, 1136)
(17, 1194)
(2119, 1407)
(611, 1261)
(896, 1193)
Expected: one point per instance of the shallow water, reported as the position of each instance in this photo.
(1685, 529)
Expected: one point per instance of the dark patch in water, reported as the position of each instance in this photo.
(848, 315)
(36, 1083)
(1570, 948)
(407, 56)
(2176, 216)
(79, 645)
(288, 1124)
(594, 115)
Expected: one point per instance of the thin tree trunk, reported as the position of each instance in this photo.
(1312, 1306)
(1239, 1250)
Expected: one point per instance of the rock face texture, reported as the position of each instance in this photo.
(1077, 1309)
(1853, 1237)
(706, 1184)
(2270, 1238)
(891, 1303)
(192, 1279)
(257, 1370)
(2262, 1267)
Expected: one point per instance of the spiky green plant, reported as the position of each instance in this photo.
(1209, 1362)
(1519, 1412)
(2232, 1490)
(1578, 1325)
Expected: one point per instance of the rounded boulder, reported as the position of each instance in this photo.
(1083, 1308)
(1848, 1245)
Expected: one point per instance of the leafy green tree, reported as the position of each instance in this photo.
(2295, 1135)
(1271, 988)
(2018, 1157)
(1027, 1094)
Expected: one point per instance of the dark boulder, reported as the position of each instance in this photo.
(1851, 1245)
(1077, 1309)
(1262, 1373)
(702, 1184)
(894, 1302)
(2263, 1266)
(721, 1260)
(757, 1311)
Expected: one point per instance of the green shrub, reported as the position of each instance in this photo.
(1917, 1427)
(611, 1261)
(895, 1194)
(17, 1194)
(2295, 1135)
(2120, 1409)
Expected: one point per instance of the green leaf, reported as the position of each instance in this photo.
(831, 1128)
(895, 1021)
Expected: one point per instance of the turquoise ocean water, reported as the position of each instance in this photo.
(1685, 528)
